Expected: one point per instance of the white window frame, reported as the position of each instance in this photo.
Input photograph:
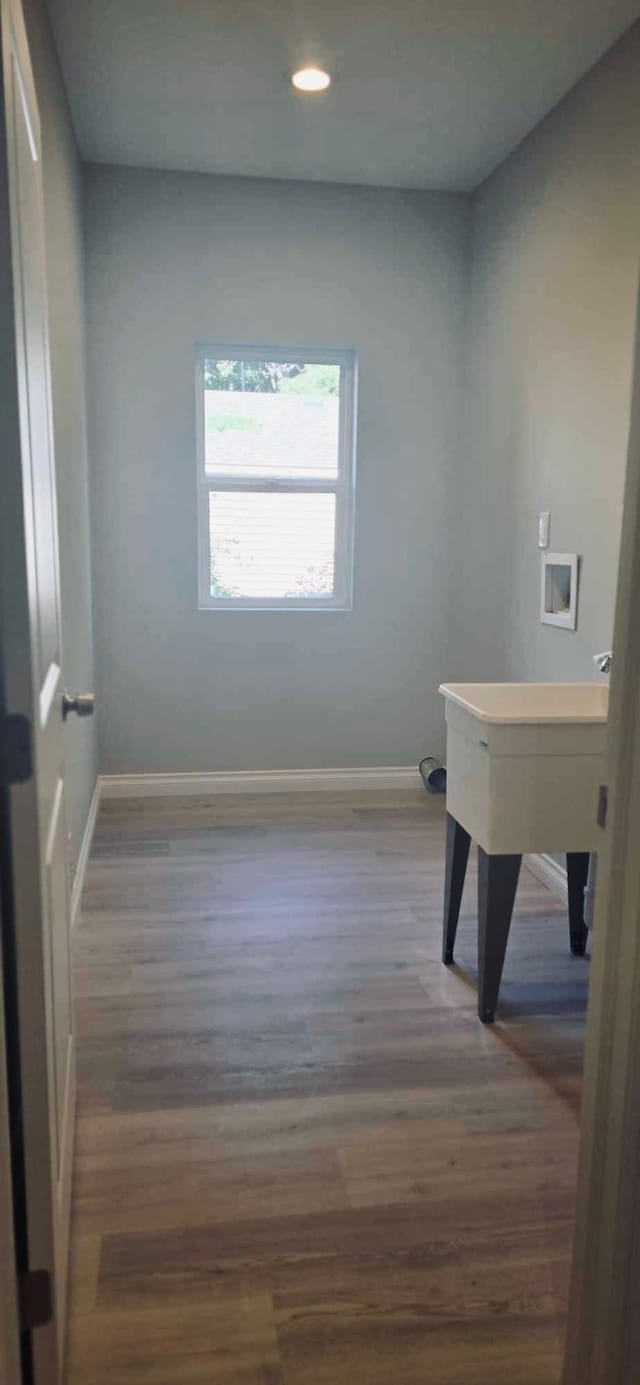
(342, 486)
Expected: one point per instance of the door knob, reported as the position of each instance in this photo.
(82, 704)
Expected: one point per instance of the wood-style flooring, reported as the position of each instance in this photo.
(300, 1158)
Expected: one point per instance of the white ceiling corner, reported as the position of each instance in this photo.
(426, 93)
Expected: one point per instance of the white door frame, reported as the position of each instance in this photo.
(603, 1341)
(10, 1367)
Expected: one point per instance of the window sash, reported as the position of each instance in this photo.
(226, 481)
(341, 486)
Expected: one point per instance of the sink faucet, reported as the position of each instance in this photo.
(603, 662)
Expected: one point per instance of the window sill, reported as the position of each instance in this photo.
(248, 609)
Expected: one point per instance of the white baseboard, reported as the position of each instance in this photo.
(84, 853)
(550, 872)
(259, 781)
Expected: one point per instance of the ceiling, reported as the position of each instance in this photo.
(426, 93)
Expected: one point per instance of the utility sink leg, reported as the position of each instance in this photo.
(577, 871)
(497, 884)
(458, 843)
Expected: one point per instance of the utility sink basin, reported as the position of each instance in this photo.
(532, 703)
(525, 762)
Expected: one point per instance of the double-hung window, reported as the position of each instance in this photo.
(275, 432)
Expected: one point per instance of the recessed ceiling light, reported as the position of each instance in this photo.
(311, 79)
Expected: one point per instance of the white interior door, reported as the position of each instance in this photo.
(31, 666)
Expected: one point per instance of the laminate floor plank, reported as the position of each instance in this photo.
(300, 1159)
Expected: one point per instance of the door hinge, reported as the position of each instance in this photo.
(35, 1299)
(603, 802)
(16, 758)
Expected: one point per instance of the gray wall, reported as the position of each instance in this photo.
(172, 258)
(65, 284)
(454, 465)
(550, 328)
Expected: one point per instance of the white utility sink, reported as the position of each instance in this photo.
(530, 703)
(525, 762)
